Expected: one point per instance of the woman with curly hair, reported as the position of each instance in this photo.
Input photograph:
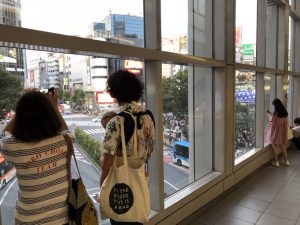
(126, 88)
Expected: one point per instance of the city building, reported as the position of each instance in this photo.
(234, 57)
(12, 59)
(124, 29)
(53, 79)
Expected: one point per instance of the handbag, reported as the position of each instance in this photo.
(81, 208)
(124, 194)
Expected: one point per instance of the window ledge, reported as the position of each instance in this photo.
(200, 186)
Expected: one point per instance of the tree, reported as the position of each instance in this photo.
(67, 95)
(175, 94)
(78, 97)
(10, 90)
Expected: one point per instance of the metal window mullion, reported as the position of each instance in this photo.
(153, 84)
(261, 33)
(28, 39)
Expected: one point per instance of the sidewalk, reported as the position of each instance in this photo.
(272, 197)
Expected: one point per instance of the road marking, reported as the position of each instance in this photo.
(171, 185)
(93, 189)
(94, 131)
(94, 196)
(7, 191)
(83, 161)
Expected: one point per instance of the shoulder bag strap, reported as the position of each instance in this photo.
(71, 152)
(134, 134)
(124, 151)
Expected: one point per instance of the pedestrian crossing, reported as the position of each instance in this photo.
(80, 157)
(95, 131)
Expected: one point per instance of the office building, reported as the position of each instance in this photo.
(231, 60)
(12, 59)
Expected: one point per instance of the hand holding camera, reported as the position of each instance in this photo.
(52, 95)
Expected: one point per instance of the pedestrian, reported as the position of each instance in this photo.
(126, 88)
(296, 133)
(277, 133)
(33, 142)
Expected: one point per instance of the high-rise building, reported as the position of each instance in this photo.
(124, 29)
(11, 59)
(53, 71)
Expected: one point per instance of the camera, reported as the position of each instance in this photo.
(51, 90)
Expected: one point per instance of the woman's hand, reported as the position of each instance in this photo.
(53, 96)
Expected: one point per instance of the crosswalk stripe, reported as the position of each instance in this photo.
(94, 131)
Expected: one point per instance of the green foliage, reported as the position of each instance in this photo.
(66, 95)
(89, 144)
(175, 94)
(10, 90)
(78, 97)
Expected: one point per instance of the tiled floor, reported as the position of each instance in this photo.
(272, 197)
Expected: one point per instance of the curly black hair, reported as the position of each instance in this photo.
(124, 86)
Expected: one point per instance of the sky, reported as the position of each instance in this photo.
(246, 17)
(72, 17)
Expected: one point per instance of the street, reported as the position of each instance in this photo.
(175, 177)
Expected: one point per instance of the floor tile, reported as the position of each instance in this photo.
(283, 212)
(208, 218)
(267, 219)
(286, 202)
(244, 214)
(262, 195)
(254, 204)
(226, 220)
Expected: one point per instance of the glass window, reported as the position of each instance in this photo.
(245, 86)
(245, 31)
(109, 20)
(289, 96)
(271, 39)
(270, 85)
(187, 119)
(197, 31)
(174, 40)
(81, 84)
(291, 44)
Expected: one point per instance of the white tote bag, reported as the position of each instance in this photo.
(124, 194)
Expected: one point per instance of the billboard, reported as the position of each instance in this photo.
(131, 64)
(238, 35)
(248, 49)
(103, 98)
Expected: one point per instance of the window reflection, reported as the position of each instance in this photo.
(270, 85)
(271, 38)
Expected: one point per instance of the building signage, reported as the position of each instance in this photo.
(131, 64)
(103, 97)
(248, 49)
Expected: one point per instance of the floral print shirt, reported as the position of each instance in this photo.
(145, 136)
